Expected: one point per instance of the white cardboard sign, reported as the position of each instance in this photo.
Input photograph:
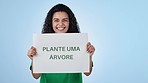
(60, 53)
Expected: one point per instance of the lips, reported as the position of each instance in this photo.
(60, 28)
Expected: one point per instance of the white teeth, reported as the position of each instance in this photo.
(60, 28)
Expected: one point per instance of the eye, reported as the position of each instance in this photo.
(55, 20)
(65, 20)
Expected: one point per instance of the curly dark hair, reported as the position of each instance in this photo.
(73, 25)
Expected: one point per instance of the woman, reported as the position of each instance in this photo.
(60, 19)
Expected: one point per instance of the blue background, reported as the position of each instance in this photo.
(117, 28)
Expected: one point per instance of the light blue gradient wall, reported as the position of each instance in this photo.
(117, 28)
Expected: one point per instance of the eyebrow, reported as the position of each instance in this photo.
(58, 18)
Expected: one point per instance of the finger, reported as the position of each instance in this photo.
(30, 56)
(33, 48)
(89, 49)
(93, 50)
(29, 52)
(32, 51)
(91, 53)
(88, 43)
(88, 46)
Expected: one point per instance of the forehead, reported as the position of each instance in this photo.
(60, 14)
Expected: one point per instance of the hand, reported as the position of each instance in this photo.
(90, 49)
(32, 52)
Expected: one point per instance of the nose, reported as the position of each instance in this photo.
(61, 23)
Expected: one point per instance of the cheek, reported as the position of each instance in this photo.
(53, 25)
(67, 24)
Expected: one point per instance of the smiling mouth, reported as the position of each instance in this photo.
(60, 28)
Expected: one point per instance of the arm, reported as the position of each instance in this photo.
(35, 75)
(32, 52)
(90, 50)
(90, 70)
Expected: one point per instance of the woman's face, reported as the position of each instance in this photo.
(60, 22)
